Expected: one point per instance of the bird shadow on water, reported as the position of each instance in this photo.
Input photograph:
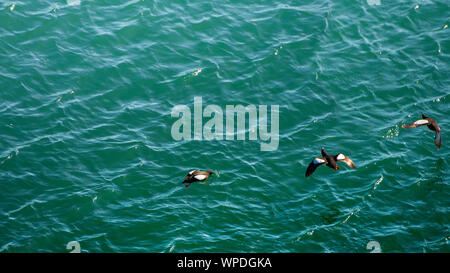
(331, 216)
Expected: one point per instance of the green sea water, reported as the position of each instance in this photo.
(86, 151)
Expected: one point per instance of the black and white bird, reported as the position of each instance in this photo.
(196, 176)
(329, 160)
(431, 124)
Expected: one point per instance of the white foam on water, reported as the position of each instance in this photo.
(374, 2)
(378, 182)
(196, 72)
(73, 2)
(348, 217)
(393, 132)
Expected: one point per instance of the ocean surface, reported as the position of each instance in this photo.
(87, 155)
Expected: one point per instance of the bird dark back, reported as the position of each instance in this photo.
(331, 162)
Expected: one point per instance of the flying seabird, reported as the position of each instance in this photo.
(329, 160)
(431, 124)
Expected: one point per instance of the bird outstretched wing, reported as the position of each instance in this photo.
(437, 140)
(347, 160)
(417, 123)
(316, 162)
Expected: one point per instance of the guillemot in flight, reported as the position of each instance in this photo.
(329, 160)
(431, 124)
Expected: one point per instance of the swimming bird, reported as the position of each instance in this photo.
(431, 124)
(195, 176)
(329, 160)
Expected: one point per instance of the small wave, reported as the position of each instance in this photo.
(73, 2)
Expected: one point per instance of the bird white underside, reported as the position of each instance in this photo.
(200, 177)
(318, 160)
(340, 157)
